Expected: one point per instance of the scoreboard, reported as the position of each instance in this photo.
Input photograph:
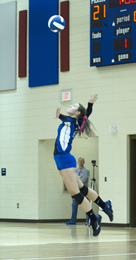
(112, 32)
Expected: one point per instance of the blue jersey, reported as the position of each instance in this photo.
(67, 131)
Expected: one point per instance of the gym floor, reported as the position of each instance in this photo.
(58, 241)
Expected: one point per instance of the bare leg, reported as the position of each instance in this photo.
(70, 179)
(92, 195)
(73, 186)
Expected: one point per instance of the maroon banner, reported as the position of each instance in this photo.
(22, 56)
(64, 37)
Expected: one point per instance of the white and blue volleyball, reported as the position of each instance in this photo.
(56, 23)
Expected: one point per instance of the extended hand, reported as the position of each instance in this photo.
(58, 112)
(93, 98)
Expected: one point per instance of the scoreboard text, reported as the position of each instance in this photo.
(112, 32)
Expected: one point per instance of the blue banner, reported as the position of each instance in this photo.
(43, 44)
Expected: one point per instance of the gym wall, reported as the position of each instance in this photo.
(27, 117)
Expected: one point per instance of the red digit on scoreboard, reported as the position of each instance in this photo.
(125, 43)
(127, 2)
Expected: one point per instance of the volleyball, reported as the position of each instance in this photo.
(56, 23)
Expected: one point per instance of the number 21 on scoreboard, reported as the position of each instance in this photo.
(99, 12)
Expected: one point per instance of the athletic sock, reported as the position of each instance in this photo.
(100, 202)
(91, 215)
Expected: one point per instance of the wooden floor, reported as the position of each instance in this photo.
(58, 241)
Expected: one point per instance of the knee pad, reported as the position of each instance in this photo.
(79, 197)
(84, 190)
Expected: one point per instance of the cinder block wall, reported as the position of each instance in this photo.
(27, 118)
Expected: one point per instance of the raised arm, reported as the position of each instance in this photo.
(58, 112)
(93, 98)
(91, 101)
